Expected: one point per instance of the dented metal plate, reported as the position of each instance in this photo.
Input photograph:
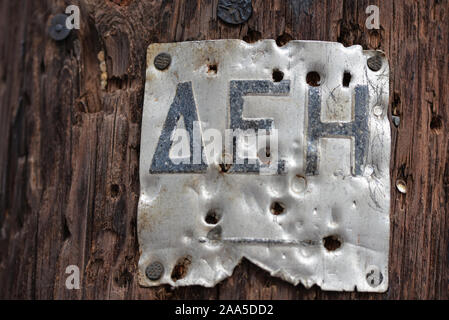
(312, 208)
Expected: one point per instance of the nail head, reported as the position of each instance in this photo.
(58, 30)
(374, 276)
(154, 271)
(375, 63)
(162, 61)
(234, 11)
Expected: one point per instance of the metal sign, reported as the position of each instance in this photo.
(279, 155)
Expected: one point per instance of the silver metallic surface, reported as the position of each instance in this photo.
(345, 197)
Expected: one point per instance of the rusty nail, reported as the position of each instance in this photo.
(154, 271)
(375, 63)
(162, 61)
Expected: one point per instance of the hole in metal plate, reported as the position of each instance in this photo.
(212, 68)
(313, 79)
(212, 217)
(332, 243)
(181, 268)
(277, 208)
(346, 79)
(278, 75)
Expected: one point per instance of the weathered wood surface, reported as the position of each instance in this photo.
(69, 150)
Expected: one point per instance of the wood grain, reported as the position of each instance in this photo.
(69, 149)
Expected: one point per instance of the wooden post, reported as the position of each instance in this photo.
(69, 147)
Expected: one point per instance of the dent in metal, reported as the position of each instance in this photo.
(348, 197)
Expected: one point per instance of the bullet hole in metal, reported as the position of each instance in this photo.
(278, 75)
(346, 79)
(313, 79)
(212, 217)
(212, 68)
(332, 243)
(283, 39)
(225, 167)
(181, 268)
(277, 208)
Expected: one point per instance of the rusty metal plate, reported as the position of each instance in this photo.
(279, 155)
